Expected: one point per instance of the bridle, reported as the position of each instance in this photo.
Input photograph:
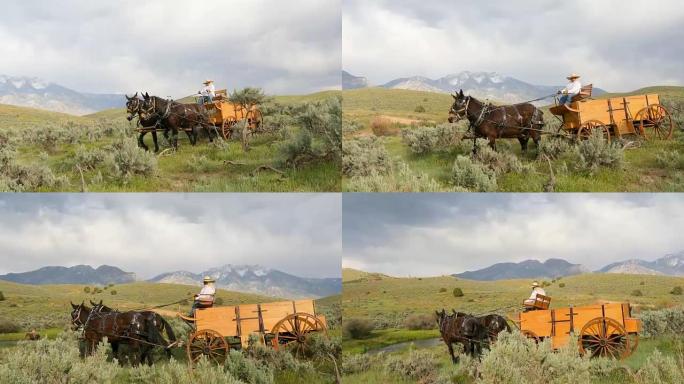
(463, 112)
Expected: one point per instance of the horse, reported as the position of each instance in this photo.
(154, 318)
(131, 328)
(494, 324)
(461, 328)
(176, 116)
(516, 121)
(133, 108)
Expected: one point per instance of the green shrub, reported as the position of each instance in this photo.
(554, 147)
(86, 289)
(473, 176)
(419, 109)
(365, 156)
(561, 285)
(383, 127)
(663, 322)
(415, 322)
(351, 126)
(660, 369)
(597, 152)
(669, 159)
(113, 292)
(125, 159)
(642, 283)
(423, 140)
(9, 326)
(637, 292)
(499, 162)
(675, 291)
(442, 290)
(357, 328)
(361, 362)
(419, 365)
(89, 159)
(399, 178)
(457, 292)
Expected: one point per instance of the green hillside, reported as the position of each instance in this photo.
(391, 297)
(19, 117)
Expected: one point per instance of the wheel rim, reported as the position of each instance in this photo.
(590, 127)
(227, 129)
(208, 343)
(294, 330)
(605, 338)
(655, 122)
(530, 335)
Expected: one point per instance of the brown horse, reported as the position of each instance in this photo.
(461, 328)
(178, 117)
(131, 328)
(134, 107)
(494, 324)
(154, 318)
(517, 121)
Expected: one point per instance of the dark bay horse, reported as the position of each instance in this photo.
(517, 121)
(178, 117)
(461, 328)
(494, 324)
(131, 328)
(155, 319)
(134, 107)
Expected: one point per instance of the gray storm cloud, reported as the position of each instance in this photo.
(618, 45)
(170, 46)
(154, 233)
(436, 234)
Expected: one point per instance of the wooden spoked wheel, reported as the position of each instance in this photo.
(655, 122)
(604, 337)
(530, 335)
(227, 129)
(294, 330)
(591, 126)
(208, 343)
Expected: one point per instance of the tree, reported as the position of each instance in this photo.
(458, 292)
(676, 290)
(86, 289)
(247, 98)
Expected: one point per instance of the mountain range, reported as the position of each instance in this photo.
(239, 278)
(485, 85)
(670, 265)
(350, 81)
(37, 93)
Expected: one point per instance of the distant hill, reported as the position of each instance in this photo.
(349, 274)
(550, 268)
(257, 279)
(79, 274)
(350, 81)
(486, 85)
(671, 265)
(36, 93)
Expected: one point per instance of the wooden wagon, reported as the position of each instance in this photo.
(279, 324)
(607, 330)
(616, 116)
(224, 115)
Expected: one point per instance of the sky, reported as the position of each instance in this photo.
(153, 233)
(169, 47)
(428, 234)
(619, 45)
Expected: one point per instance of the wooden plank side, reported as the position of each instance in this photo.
(274, 312)
(249, 319)
(219, 319)
(538, 322)
(594, 110)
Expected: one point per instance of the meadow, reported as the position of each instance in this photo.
(46, 308)
(45, 151)
(392, 350)
(406, 145)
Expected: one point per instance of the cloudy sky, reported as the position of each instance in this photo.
(619, 45)
(169, 47)
(155, 233)
(436, 234)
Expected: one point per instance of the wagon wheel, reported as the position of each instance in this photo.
(207, 343)
(589, 127)
(294, 330)
(606, 338)
(530, 335)
(655, 122)
(227, 128)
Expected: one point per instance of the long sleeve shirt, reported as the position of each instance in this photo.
(573, 88)
(208, 90)
(207, 293)
(537, 291)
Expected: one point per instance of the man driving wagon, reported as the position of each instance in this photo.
(571, 90)
(205, 298)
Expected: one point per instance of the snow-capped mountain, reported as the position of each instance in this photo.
(350, 81)
(485, 85)
(37, 93)
(78, 274)
(257, 279)
(550, 268)
(671, 264)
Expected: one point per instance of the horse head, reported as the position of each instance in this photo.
(133, 105)
(79, 314)
(459, 109)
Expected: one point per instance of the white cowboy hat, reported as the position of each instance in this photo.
(208, 279)
(535, 284)
(208, 81)
(573, 76)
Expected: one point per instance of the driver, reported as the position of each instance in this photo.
(207, 93)
(573, 88)
(536, 290)
(205, 298)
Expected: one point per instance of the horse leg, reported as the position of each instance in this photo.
(141, 142)
(492, 142)
(454, 358)
(523, 143)
(156, 144)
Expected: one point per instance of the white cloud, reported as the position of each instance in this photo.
(618, 45)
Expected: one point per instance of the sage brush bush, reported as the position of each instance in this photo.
(419, 365)
(662, 322)
(669, 159)
(661, 369)
(422, 140)
(554, 147)
(359, 363)
(415, 322)
(597, 152)
(357, 328)
(472, 175)
(125, 159)
(363, 156)
(399, 178)
(499, 162)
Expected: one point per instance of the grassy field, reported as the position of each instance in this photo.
(204, 167)
(642, 171)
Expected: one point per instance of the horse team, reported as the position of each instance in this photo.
(473, 332)
(141, 331)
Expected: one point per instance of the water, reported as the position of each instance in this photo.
(425, 343)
